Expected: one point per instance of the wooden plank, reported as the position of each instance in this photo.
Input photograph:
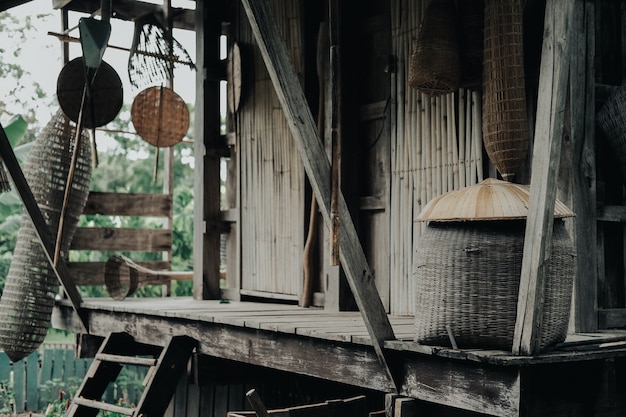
(485, 389)
(121, 239)
(5, 368)
(58, 364)
(92, 273)
(32, 382)
(38, 220)
(546, 156)
(611, 318)
(19, 385)
(155, 205)
(317, 166)
(616, 214)
(582, 93)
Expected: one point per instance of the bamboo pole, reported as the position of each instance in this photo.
(462, 93)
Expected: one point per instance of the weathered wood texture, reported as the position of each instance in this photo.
(157, 205)
(207, 152)
(553, 79)
(272, 176)
(436, 146)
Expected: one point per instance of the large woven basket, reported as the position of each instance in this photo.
(467, 269)
(31, 285)
(504, 115)
(434, 61)
(612, 120)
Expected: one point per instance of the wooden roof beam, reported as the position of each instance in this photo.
(553, 82)
(317, 166)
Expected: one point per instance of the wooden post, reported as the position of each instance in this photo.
(553, 79)
(317, 166)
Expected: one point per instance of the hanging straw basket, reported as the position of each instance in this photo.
(31, 285)
(107, 94)
(612, 120)
(467, 269)
(434, 62)
(160, 116)
(504, 120)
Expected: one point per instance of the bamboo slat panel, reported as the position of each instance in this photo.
(272, 176)
(436, 147)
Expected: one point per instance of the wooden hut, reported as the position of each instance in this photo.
(327, 140)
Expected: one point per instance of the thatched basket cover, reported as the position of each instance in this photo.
(504, 117)
(31, 285)
(612, 120)
(467, 269)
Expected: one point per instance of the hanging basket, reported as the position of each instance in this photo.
(160, 116)
(107, 94)
(468, 264)
(31, 285)
(504, 115)
(612, 120)
(434, 61)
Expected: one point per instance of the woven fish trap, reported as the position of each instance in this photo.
(31, 285)
(504, 115)
(434, 62)
(612, 121)
(467, 279)
(160, 116)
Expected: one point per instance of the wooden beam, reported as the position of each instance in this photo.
(317, 166)
(39, 222)
(553, 79)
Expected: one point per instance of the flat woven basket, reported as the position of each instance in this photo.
(612, 120)
(160, 116)
(434, 62)
(31, 285)
(467, 278)
(504, 115)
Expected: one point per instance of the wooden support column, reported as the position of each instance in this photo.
(582, 113)
(317, 166)
(553, 79)
(207, 153)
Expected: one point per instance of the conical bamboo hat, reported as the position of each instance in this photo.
(491, 199)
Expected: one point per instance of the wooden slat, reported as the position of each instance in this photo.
(120, 239)
(546, 155)
(610, 214)
(92, 273)
(156, 205)
(103, 406)
(304, 131)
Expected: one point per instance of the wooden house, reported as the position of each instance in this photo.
(331, 155)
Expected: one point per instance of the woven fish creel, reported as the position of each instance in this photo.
(31, 285)
(434, 61)
(612, 120)
(504, 115)
(467, 278)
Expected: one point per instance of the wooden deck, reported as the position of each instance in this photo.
(336, 346)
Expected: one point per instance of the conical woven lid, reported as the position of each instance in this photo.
(491, 199)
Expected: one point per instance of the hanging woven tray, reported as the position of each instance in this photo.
(160, 116)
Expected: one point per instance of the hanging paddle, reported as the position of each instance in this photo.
(94, 37)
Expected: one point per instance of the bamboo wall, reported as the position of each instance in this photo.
(436, 146)
(272, 176)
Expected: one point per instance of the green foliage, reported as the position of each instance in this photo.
(58, 394)
(7, 398)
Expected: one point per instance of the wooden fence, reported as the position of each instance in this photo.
(36, 381)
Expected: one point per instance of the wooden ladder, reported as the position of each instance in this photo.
(166, 366)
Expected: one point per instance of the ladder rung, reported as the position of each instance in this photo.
(103, 406)
(128, 360)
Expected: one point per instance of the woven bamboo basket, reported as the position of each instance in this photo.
(434, 62)
(31, 285)
(160, 116)
(467, 271)
(612, 120)
(504, 115)
(107, 94)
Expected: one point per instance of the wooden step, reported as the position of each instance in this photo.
(127, 360)
(99, 405)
